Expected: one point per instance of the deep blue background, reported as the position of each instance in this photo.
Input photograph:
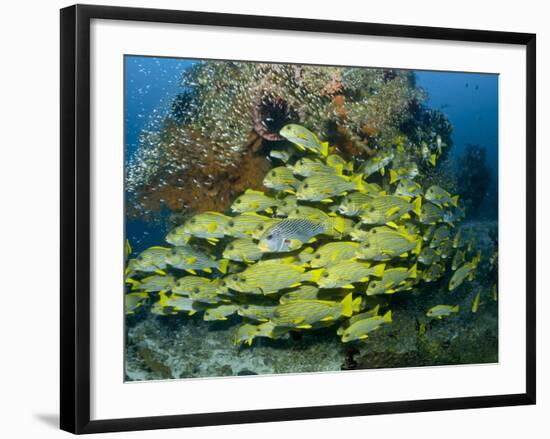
(470, 101)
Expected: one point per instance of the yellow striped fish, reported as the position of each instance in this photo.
(220, 312)
(208, 225)
(323, 186)
(157, 283)
(269, 278)
(303, 292)
(334, 252)
(344, 274)
(190, 259)
(304, 139)
(151, 260)
(286, 205)
(281, 179)
(361, 327)
(306, 167)
(254, 201)
(385, 209)
(132, 301)
(186, 284)
(305, 313)
(393, 280)
(384, 242)
(260, 313)
(243, 250)
(243, 225)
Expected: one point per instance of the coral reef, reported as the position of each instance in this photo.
(228, 115)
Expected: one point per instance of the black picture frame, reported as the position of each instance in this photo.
(75, 217)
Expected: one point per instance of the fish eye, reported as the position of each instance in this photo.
(230, 247)
(238, 201)
(284, 203)
(235, 278)
(371, 209)
(374, 230)
(260, 227)
(273, 174)
(193, 221)
(373, 284)
(222, 283)
(246, 306)
(269, 237)
(231, 223)
(195, 290)
(318, 256)
(302, 161)
(325, 274)
(306, 186)
(297, 211)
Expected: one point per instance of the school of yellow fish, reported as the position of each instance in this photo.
(311, 250)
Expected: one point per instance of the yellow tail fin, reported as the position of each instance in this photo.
(418, 248)
(378, 271)
(223, 265)
(324, 149)
(358, 182)
(387, 317)
(313, 275)
(135, 284)
(417, 206)
(454, 200)
(412, 271)
(347, 305)
(339, 224)
(339, 169)
(393, 176)
(356, 304)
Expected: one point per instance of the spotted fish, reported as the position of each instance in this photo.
(289, 234)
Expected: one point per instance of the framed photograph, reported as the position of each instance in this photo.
(268, 218)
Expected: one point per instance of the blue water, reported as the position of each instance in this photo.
(470, 101)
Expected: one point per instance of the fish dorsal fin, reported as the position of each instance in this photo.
(253, 192)
(217, 214)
